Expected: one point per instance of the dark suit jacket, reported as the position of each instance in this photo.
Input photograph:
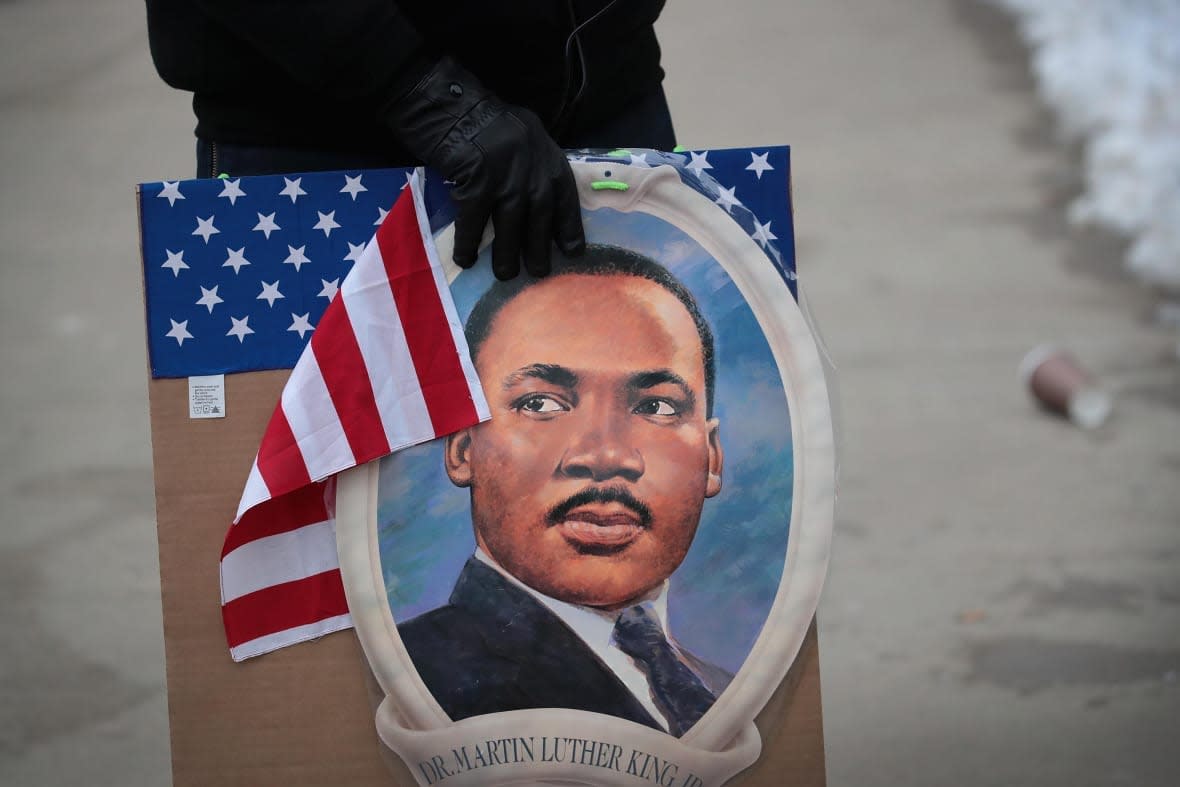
(496, 648)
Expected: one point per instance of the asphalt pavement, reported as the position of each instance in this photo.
(1003, 602)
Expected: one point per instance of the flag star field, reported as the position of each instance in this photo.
(238, 271)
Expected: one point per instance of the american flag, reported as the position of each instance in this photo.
(317, 272)
(238, 271)
(387, 369)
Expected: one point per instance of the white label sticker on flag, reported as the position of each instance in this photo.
(206, 396)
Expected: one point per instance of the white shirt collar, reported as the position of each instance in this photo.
(596, 627)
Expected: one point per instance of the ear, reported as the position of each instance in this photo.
(458, 446)
(716, 459)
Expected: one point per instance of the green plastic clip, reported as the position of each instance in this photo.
(223, 176)
(609, 185)
(619, 153)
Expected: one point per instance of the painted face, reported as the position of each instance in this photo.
(588, 482)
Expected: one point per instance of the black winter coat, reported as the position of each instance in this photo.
(318, 74)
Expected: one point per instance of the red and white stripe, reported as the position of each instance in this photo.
(386, 368)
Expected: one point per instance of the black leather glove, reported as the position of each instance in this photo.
(504, 165)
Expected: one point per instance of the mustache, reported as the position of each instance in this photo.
(605, 494)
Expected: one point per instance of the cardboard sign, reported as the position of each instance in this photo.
(299, 714)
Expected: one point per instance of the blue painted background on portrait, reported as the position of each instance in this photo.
(722, 593)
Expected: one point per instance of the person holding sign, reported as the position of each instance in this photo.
(488, 94)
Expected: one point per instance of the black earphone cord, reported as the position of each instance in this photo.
(561, 117)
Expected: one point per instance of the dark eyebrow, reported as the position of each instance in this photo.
(643, 380)
(546, 372)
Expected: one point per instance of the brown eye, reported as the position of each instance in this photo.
(540, 404)
(656, 407)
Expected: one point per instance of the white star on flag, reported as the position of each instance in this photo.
(639, 160)
(266, 225)
(299, 323)
(381, 214)
(762, 233)
(171, 191)
(175, 262)
(292, 189)
(327, 222)
(240, 328)
(236, 259)
(205, 228)
(759, 164)
(231, 190)
(726, 198)
(209, 298)
(296, 256)
(330, 289)
(270, 293)
(179, 331)
(354, 252)
(699, 163)
(352, 187)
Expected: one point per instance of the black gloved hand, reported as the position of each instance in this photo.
(503, 163)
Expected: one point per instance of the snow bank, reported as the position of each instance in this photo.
(1111, 71)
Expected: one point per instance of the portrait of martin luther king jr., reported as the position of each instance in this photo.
(586, 491)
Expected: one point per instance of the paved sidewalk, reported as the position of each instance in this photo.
(82, 119)
(1003, 605)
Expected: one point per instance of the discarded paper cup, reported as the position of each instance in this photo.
(1063, 386)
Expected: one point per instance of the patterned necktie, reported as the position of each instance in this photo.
(676, 688)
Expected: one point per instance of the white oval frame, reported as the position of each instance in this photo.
(660, 192)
